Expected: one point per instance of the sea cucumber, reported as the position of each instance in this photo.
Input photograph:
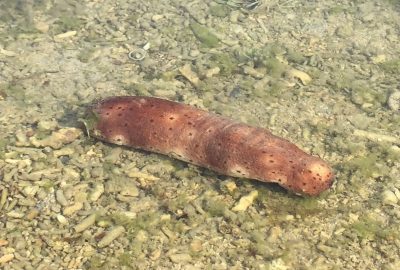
(208, 140)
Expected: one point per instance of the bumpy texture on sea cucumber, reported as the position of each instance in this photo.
(207, 140)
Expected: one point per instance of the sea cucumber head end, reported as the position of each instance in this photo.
(314, 178)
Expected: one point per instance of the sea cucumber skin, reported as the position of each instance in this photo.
(207, 140)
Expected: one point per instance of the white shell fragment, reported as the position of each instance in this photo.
(245, 201)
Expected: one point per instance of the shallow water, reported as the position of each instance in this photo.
(322, 75)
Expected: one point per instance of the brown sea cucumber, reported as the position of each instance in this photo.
(207, 140)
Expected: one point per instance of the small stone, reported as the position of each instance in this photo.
(30, 191)
(65, 35)
(15, 214)
(301, 75)
(394, 101)
(180, 258)
(3, 242)
(57, 138)
(187, 72)
(47, 125)
(130, 190)
(274, 234)
(61, 198)
(111, 236)
(66, 151)
(124, 186)
(212, 72)
(157, 17)
(388, 197)
(69, 210)
(194, 53)
(97, 191)
(62, 219)
(378, 59)
(86, 223)
(196, 246)
(229, 186)
(6, 258)
(42, 27)
(33, 213)
(253, 72)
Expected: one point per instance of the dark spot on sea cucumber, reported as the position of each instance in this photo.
(271, 161)
(120, 114)
(126, 124)
(171, 118)
(170, 128)
(151, 120)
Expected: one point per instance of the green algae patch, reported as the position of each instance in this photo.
(138, 89)
(14, 90)
(227, 63)
(220, 11)
(204, 35)
(85, 55)
(391, 66)
(147, 221)
(366, 165)
(68, 23)
(366, 97)
(370, 228)
(215, 207)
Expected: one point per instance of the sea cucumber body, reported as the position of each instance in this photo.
(207, 140)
